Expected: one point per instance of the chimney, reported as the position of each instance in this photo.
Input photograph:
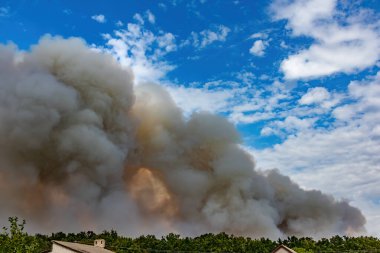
(101, 243)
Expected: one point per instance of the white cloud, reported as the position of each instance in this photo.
(259, 35)
(138, 18)
(142, 51)
(166, 43)
(369, 107)
(258, 47)
(162, 6)
(216, 84)
(346, 48)
(151, 17)
(99, 18)
(217, 96)
(284, 45)
(259, 104)
(198, 99)
(227, 97)
(343, 159)
(267, 131)
(249, 118)
(303, 14)
(119, 23)
(321, 97)
(246, 77)
(207, 37)
(147, 16)
(290, 126)
(315, 96)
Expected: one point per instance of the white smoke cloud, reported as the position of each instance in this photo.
(83, 149)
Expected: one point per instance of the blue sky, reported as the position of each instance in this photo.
(300, 79)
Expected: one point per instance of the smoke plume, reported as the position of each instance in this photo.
(81, 149)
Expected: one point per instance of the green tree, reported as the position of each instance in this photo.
(15, 240)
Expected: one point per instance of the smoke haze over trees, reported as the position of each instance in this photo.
(14, 239)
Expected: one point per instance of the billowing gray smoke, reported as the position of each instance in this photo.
(81, 148)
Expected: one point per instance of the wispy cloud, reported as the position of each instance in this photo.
(208, 36)
(147, 16)
(99, 18)
(139, 18)
(4, 11)
(119, 23)
(67, 11)
(151, 17)
(141, 50)
(259, 35)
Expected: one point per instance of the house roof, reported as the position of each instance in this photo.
(81, 248)
(285, 248)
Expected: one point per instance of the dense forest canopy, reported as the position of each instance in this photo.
(14, 239)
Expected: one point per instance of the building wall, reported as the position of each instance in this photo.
(60, 249)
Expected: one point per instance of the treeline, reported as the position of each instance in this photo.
(14, 239)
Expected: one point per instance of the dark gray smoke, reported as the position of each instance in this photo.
(81, 148)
